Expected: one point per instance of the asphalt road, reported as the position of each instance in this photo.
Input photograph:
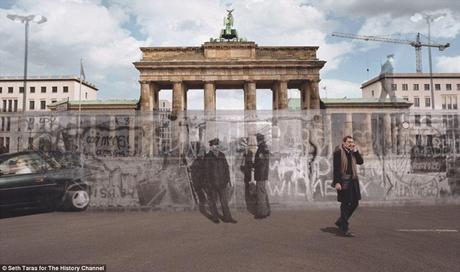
(424, 238)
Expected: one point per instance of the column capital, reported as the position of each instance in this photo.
(144, 81)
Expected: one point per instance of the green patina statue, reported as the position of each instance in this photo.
(228, 33)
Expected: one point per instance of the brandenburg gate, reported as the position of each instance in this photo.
(229, 65)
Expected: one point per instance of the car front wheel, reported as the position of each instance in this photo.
(77, 200)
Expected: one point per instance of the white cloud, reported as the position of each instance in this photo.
(74, 30)
(336, 88)
(448, 64)
(446, 28)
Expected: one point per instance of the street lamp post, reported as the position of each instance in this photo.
(429, 19)
(26, 20)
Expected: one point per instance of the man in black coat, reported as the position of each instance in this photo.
(218, 178)
(345, 181)
(247, 167)
(261, 167)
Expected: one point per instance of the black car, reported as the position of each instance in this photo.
(37, 179)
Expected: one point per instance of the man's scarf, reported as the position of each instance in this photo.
(344, 163)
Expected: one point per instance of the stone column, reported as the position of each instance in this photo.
(275, 94)
(329, 134)
(178, 96)
(394, 132)
(368, 133)
(210, 111)
(282, 95)
(146, 96)
(185, 97)
(314, 94)
(348, 129)
(250, 106)
(250, 95)
(155, 92)
(387, 132)
(209, 96)
(305, 96)
(402, 135)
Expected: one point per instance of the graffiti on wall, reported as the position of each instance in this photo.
(129, 167)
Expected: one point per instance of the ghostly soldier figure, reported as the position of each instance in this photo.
(247, 167)
(261, 167)
(218, 178)
(198, 177)
(387, 83)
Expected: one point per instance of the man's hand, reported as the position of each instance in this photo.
(338, 187)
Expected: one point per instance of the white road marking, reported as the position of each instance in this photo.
(427, 230)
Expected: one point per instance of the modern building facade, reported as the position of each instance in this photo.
(42, 91)
(416, 88)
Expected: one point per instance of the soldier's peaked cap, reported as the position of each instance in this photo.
(214, 141)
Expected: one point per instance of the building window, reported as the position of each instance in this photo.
(458, 88)
(2, 88)
(426, 87)
(405, 87)
(406, 98)
(31, 105)
(415, 87)
(43, 89)
(15, 103)
(66, 89)
(428, 120)
(371, 92)
(394, 87)
(4, 105)
(416, 102)
(21, 89)
(448, 87)
(43, 105)
(429, 140)
(32, 89)
(449, 102)
(86, 95)
(437, 87)
(427, 102)
(10, 105)
(54, 89)
(10, 89)
(417, 120)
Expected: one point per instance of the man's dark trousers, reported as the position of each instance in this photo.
(220, 193)
(348, 207)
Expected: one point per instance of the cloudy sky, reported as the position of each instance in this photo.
(107, 34)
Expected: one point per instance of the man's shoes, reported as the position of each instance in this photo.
(338, 225)
(230, 220)
(215, 220)
(348, 234)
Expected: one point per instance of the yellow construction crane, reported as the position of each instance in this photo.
(417, 44)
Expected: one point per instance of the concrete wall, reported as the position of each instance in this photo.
(128, 169)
